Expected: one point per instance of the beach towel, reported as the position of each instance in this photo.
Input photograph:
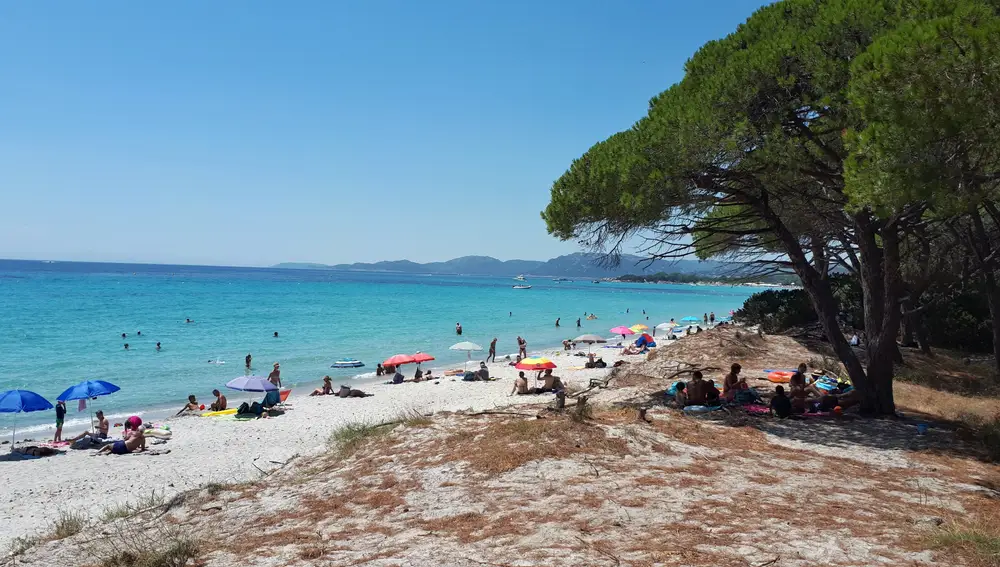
(756, 409)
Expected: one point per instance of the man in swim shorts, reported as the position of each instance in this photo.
(135, 441)
(220, 401)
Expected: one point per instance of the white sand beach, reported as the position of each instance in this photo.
(204, 450)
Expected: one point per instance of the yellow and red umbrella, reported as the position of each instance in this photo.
(638, 328)
(538, 363)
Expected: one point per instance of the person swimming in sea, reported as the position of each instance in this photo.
(557, 321)
(124, 335)
(138, 333)
(578, 322)
(188, 321)
(276, 334)
(158, 346)
(126, 346)
(248, 359)
(458, 328)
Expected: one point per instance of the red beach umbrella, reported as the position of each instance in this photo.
(398, 359)
(421, 357)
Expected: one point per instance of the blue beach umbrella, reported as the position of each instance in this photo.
(691, 320)
(17, 401)
(88, 389)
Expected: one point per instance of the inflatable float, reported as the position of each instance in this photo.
(158, 433)
(780, 376)
(347, 363)
(218, 413)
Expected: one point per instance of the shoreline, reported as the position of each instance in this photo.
(204, 450)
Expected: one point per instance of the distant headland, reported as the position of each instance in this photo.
(580, 264)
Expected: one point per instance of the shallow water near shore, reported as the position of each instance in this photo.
(62, 323)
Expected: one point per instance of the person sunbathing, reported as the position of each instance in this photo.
(800, 392)
(326, 390)
(552, 382)
(190, 406)
(733, 382)
(220, 401)
(484, 372)
(98, 435)
(697, 389)
(136, 441)
(781, 406)
(680, 395)
(521, 386)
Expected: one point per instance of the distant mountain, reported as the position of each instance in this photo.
(578, 265)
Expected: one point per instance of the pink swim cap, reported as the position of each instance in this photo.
(133, 422)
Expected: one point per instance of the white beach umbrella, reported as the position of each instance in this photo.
(468, 348)
(590, 340)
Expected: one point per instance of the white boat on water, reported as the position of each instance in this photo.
(522, 287)
(520, 278)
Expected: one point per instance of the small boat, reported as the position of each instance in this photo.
(562, 280)
(522, 287)
(520, 278)
(597, 281)
(347, 363)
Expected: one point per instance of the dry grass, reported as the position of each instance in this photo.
(347, 439)
(978, 542)
(978, 415)
(500, 447)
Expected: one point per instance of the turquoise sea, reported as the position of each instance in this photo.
(62, 323)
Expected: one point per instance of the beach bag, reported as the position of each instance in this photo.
(244, 408)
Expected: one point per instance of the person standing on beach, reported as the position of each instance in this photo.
(493, 350)
(60, 418)
(711, 317)
(458, 328)
(705, 318)
(275, 376)
(522, 347)
(249, 359)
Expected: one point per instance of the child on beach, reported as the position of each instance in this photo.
(190, 406)
(60, 418)
(781, 406)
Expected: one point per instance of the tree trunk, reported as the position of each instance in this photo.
(922, 338)
(880, 288)
(981, 248)
(993, 300)
(909, 326)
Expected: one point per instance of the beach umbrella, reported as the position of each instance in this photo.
(691, 320)
(590, 340)
(421, 357)
(468, 347)
(251, 384)
(398, 359)
(639, 328)
(17, 401)
(86, 390)
(347, 363)
(622, 330)
(665, 326)
(538, 363)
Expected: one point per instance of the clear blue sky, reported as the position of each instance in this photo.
(250, 133)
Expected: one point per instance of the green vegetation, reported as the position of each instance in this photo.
(348, 438)
(848, 136)
(68, 524)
